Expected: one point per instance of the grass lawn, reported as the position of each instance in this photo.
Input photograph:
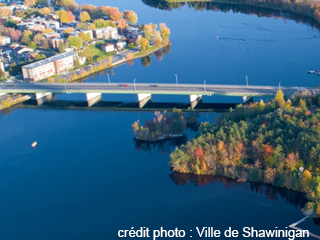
(95, 52)
(139, 54)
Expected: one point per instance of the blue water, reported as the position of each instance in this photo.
(87, 178)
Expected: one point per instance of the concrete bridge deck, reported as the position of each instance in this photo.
(148, 88)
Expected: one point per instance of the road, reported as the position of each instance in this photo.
(152, 88)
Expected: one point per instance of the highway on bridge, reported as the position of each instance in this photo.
(150, 88)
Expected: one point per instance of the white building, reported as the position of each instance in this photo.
(49, 66)
(106, 33)
(4, 40)
(107, 47)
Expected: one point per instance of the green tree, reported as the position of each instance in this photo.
(74, 42)
(32, 45)
(39, 57)
(303, 105)
(26, 37)
(61, 47)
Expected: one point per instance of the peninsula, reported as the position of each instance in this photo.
(275, 143)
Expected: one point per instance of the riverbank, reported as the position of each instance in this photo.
(103, 64)
(9, 100)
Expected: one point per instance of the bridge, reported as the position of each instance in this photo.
(144, 91)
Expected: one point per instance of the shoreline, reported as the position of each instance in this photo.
(100, 65)
(252, 5)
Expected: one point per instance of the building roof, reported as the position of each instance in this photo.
(49, 60)
(4, 37)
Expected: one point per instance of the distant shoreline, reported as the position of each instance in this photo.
(286, 8)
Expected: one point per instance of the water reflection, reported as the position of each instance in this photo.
(272, 193)
(164, 147)
(244, 7)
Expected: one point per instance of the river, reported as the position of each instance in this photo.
(87, 178)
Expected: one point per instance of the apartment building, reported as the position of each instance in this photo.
(105, 33)
(49, 66)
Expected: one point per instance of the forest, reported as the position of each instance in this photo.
(275, 143)
(164, 126)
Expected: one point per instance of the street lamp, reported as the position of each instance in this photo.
(204, 85)
(134, 83)
(279, 85)
(247, 80)
(65, 85)
(176, 79)
(108, 77)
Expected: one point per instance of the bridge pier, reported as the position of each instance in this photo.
(143, 99)
(247, 99)
(195, 99)
(43, 97)
(93, 98)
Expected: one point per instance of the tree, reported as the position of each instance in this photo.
(47, 30)
(100, 23)
(74, 42)
(27, 37)
(29, 3)
(42, 3)
(148, 30)
(10, 23)
(144, 43)
(61, 47)
(20, 14)
(63, 16)
(122, 24)
(261, 105)
(165, 31)
(39, 57)
(38, 38)
(91, 26)
(131, 17)
(82, 26)
(45, 11)
(71, 17)
(14, 34)
(32, 45)
(76, 63)
(2, 74)
(110, 61)
(279, 99)
(68, 30)
(303, 105)
(114, 13)
(85, 36)
(5, 12)
(84, 16)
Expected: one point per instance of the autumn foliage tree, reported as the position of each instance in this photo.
(122, 24)
(144, 43)
(84, 16)
(131, 16)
